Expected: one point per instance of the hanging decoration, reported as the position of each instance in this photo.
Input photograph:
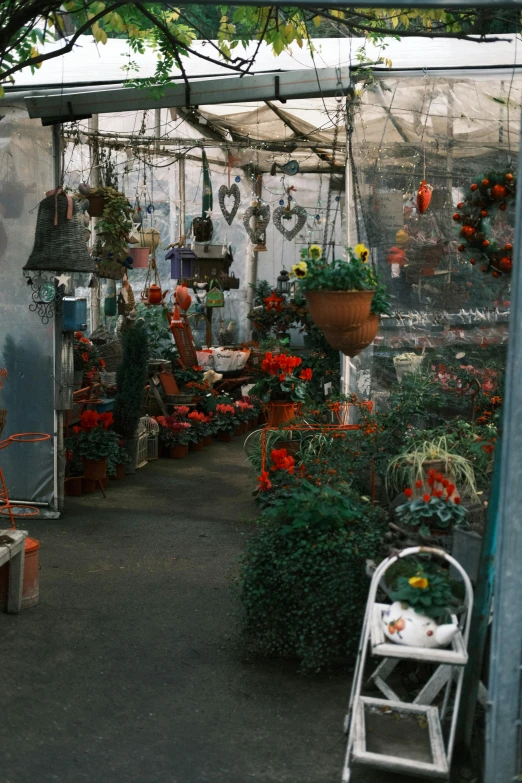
(232, 191)
(291, 168)
(215, 297)
(261, 213)
(485, 236)
(59, 240)
(227, 191)
(287, 213)
(46, 294)
(424, 195)
(152, 293)
(273, 302)
(202, 226)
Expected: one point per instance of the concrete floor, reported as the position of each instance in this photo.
(129, 672)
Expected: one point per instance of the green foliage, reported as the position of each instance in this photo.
(114, 225)
(302, 581)
(381, 301)
(337, 275)
(432, 600)
(159, 336)
(436, 514)
(118, 456)
(131, 377)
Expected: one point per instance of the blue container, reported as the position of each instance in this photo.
(74, 314)
(103, 406)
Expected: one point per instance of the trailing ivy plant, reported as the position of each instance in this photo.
(114, 225)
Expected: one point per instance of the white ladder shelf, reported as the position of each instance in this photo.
(389, 733)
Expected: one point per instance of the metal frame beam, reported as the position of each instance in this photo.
(74, 105)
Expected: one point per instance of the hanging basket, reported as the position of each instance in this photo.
(59, 241)
(149, 238)
(140, 257)
(352, 342)
(336, 313)
(96, 206)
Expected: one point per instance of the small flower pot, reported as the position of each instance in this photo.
(177, 451)
(73, 486)
(140, 257)
(88, 486)
(279, 412)
(223, 436)
(196, 446)
(95, 469)
(96, 205)
(207, 440)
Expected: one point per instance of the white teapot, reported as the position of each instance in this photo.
(403, 625)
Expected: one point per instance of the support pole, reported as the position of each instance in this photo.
(58, 444)
(157, 128)
(95, 181)
(503, 713)
(182, 203)
(346, 365)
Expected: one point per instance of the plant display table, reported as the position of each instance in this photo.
(12, 551)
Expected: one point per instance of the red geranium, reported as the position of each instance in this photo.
(306, 375)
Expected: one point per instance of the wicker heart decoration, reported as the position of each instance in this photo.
(283, 213)
(232, 192)
(262, 216)
(424, 197)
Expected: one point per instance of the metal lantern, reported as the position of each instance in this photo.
(283, 282)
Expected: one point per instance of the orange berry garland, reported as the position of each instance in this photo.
(488, 196)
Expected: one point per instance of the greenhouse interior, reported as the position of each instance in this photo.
(269, 334)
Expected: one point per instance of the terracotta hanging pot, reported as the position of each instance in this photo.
(336, 313)
(280, 411)
(94, 469)
(351, 343)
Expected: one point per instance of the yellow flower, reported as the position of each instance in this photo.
(315, 252)
(418, 581)
(300, 269)
(362, 252)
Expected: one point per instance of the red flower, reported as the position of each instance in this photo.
(85, 356)
(450, 489)
(85, 340)
(457, 500)
(106, 420)
(445, 482)
(306, 375)
(431, 473)
(426, 498)
(101, 363)
(431, 481)
(78, 335)
(264, 481)
(282, 378)
(418, 483)
(76, 430)
(89, 420)
(408, 492)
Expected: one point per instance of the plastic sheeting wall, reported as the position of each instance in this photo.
(26, 346)
(448, 131)
(158, 185)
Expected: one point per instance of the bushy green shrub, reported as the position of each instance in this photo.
(302, 582)
(131, 377)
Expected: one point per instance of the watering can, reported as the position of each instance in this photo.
(155, 296)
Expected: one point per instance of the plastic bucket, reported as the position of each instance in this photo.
(31, 589)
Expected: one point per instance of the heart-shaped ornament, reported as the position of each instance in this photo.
(231, 192)
(262, 216)
(283, 213)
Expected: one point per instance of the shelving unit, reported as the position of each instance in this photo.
(390, 733)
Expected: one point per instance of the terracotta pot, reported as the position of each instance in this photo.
(120, 473)
(96, 205)
(207, 440)
(353, 342)
(140, 257)
(239, 430)
(95, 469)
(88, 486)
(279, 412)
(223, 436)
(338, 312)
(177, 451)
(73, 486)
(196, 446)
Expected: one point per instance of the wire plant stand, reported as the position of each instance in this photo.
(17, 510)
(367, 716)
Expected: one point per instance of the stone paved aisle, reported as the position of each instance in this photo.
(128, 671)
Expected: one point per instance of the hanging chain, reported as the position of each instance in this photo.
(338, 98)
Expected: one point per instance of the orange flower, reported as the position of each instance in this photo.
(306, 375)
(264, 481)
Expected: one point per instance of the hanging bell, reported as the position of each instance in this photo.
(59, 240)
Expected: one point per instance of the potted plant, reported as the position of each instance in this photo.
(87, 363)
(339, 294)
(437, 511)
(117, 461)
(93, 442)
(199, 423)
(420, 615)
(226, 421)
(415, 461)
(282, 388)
(114, 223)
(131, 377)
